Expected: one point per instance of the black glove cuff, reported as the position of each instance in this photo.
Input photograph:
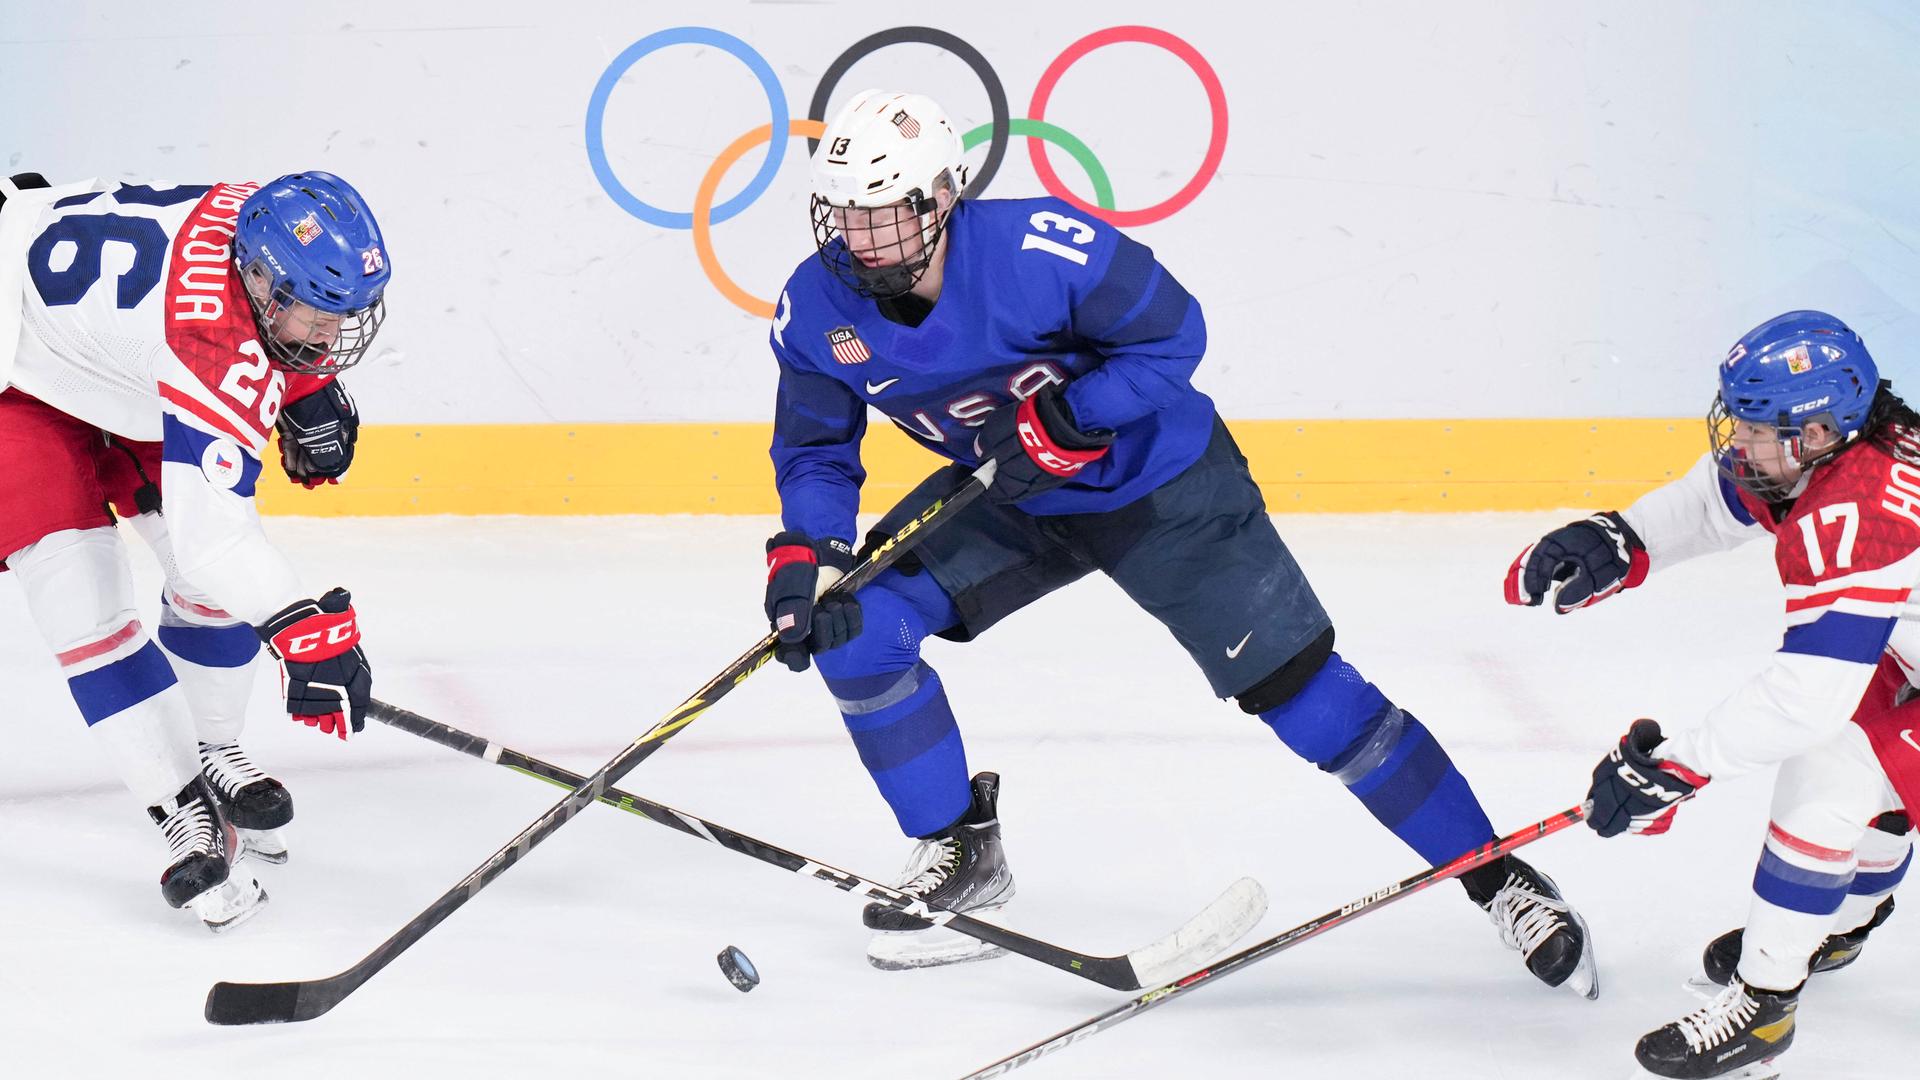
(1050, 406)
(1633, 538)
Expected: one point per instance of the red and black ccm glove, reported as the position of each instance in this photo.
(1589, 560)
(318, 642)
(1635, 792)
(1038, 445)
(799, 569)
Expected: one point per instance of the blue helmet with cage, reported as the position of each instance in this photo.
(315, 269)
(1792, 370)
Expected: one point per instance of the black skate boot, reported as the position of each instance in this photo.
(1534, 918)
(1736, 1036)
(962, 869)
(255, 804)
(201, 876)
(1722, 957)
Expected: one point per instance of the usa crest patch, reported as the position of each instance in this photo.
(847, 346)
(909, 127)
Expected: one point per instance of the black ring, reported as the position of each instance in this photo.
(925, 35)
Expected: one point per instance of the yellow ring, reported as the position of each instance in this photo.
(703, 211)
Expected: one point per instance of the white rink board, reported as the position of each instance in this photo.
(1131, 799)
(1423, 210)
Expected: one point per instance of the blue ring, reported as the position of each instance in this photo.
(685, 35)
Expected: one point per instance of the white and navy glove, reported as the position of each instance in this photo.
(328, 680)
(1580, 564)
(1635, 792)
(1038, 444)
(317, 434)
(799, 569)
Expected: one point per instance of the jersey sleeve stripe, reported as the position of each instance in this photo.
(207, 415)
(1880, 596)
(1730, 495)
(1859, 639)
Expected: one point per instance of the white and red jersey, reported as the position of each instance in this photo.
(1848, 553)
(132, 318)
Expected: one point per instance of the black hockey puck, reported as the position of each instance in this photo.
(738, 969)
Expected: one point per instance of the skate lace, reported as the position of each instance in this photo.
(1718, 1020)
(228, 767)
(932, 862)
(1525, 918)
(189, 828)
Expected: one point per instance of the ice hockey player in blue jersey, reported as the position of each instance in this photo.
(1025, 331)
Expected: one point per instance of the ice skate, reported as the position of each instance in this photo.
(201, 876)
(254, 803)
(963, 869)
(1534, 918)
(1722, 957)
(1736, 1036)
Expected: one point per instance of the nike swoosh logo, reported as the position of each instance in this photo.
(1234, 652)
(1907, 737)
(877, 387)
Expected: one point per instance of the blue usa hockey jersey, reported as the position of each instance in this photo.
(1035, 292)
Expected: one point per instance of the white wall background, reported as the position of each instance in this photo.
(1462, 209)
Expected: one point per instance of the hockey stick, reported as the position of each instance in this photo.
(1254, 954)
(1204, 936)
(283, 1002)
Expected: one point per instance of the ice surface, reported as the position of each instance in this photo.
(1131, 799)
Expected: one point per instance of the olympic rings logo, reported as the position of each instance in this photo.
(996, 132)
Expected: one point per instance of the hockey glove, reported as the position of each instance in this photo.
(1590, 560)
(1635, 792)
(1038, 445)
(318, 642)
(799, 569)
(317, 434)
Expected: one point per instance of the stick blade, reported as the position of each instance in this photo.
(230, 1004)
(1204, 937)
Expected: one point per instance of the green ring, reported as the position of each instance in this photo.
(1060, 137)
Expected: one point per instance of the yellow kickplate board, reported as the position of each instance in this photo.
(1304, 466)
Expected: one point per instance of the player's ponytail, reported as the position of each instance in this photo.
(1893, 425)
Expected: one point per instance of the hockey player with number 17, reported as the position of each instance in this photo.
(149, 338)
(1029, 333)
(1811, 446)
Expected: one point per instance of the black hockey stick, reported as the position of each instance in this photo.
(1203, 937)
(283, 1002)
(1128, 1010)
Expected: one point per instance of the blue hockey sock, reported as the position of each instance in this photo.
(895, 708)
(1386, 758)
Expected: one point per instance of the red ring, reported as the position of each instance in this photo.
(1216, 104)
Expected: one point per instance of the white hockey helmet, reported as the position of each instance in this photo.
(884, 149)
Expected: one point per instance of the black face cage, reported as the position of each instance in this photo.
(310, 353)
(894, 272)
(1734, 464)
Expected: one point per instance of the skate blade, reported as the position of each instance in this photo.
(937, 946)
(1585, 979)
(263, 845)
(229, 904)
(1762, 1070)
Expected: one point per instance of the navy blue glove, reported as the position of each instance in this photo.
(799, 568)
(1038, 445)
(1635, 792)
(1590, 560)
(317, 434)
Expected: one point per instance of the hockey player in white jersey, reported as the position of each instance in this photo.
(151, 340)
(1811, 446)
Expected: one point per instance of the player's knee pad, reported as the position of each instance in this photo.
(79, 587)
(888, 643)
(1289, 679)
(1339, 721)
(212, 654)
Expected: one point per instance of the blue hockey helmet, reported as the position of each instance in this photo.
(315, 269)
(1792, 370)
